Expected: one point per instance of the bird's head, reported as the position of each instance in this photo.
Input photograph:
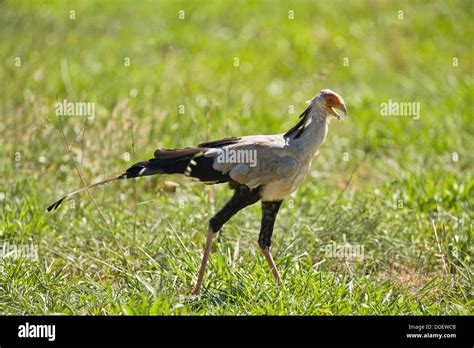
(329, 101)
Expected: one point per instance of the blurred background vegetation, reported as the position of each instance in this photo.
(402, 188)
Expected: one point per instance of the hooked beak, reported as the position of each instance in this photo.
(342, 114)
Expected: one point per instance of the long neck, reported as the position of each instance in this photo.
(310, 133)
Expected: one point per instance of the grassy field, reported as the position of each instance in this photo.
(399, 189)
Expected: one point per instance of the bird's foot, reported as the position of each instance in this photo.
(196, 291)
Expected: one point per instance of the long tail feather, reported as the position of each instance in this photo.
(188, 161)
(56, 204)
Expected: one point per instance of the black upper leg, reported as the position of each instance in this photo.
(243, 197)
(269, 213)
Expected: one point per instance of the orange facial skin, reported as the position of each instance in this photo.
(334, 101)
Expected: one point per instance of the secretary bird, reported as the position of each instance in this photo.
(281, 163)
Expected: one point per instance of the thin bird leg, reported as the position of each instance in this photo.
(269, 213)
(243, 197)
(205, 257)
(268, 256)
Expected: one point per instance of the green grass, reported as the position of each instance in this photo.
(145, 258)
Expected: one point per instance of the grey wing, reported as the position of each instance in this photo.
(268, 160)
